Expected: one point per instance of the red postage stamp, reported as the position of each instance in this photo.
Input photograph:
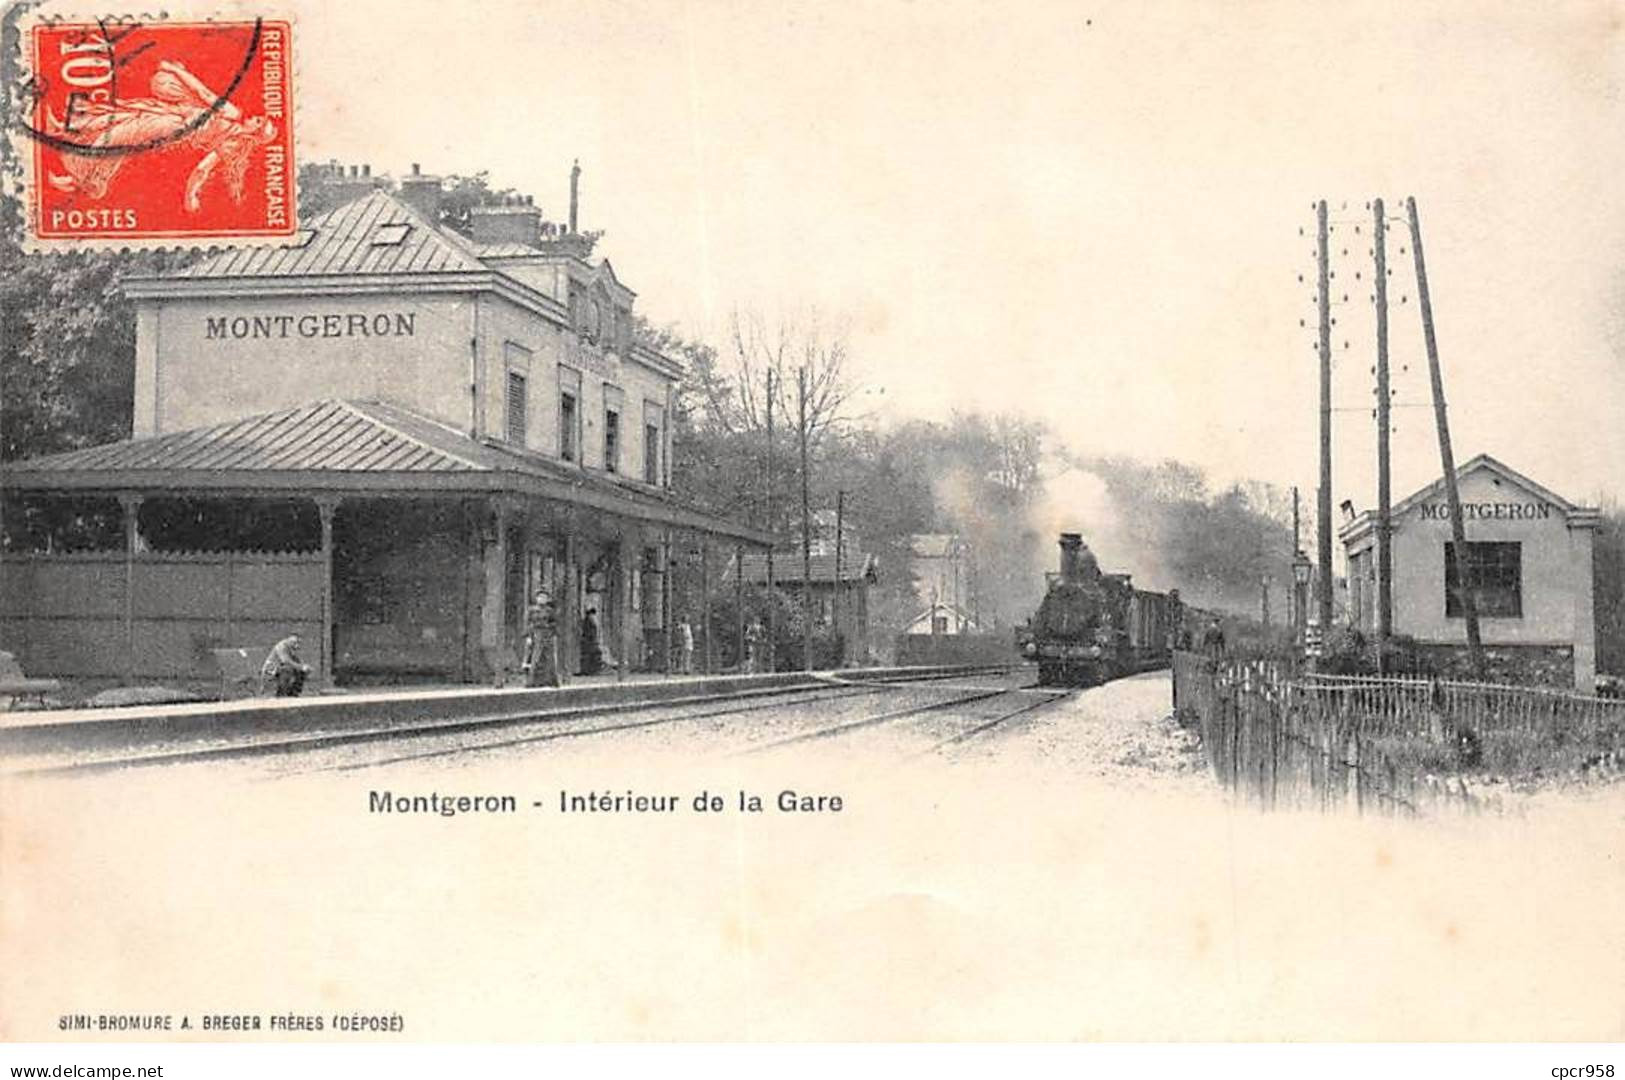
(161, 131)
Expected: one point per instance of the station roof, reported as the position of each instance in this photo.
(375, 234)
(360, 448)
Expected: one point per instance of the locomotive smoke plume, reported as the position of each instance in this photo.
(1077, 500)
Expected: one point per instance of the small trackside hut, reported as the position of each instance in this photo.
(1528, 565)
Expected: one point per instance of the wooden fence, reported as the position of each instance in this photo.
(100, 615)
(1280, 737)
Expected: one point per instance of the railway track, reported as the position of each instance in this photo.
(562, 725)
(1033, 700)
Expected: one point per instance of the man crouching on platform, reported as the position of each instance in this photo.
(284, 669)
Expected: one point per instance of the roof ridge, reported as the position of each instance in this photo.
(1484, 459)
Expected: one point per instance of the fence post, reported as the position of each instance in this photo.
(1359, 772)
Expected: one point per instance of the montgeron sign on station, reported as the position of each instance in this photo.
(330, 325)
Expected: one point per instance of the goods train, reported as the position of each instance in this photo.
(1093, 626)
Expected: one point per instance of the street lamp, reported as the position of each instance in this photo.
(1302, 571)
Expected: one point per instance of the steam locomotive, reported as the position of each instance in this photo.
(1093, 626)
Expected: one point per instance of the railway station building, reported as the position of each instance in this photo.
(1529, 561)
(385, 436)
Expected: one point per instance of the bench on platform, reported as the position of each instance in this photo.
(241, 670)
(14, 684)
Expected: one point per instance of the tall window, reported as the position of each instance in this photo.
(569, 413)
(568, 418)
(654, 419)
(612, 440)
(651, 454)
(1494, 572)
(517, 416)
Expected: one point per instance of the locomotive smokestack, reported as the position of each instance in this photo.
(1071, 562)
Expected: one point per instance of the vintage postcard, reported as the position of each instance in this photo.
(824, 522)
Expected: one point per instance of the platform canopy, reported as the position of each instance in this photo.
(364, 449)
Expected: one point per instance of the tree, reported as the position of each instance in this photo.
(759, 347)
(67, 343)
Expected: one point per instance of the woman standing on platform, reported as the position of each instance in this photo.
(542, 643)
(592, 654)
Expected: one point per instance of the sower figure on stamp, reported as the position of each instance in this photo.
(182, 108)
(541, 664)
(284, 669)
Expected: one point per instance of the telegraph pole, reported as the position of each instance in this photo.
(772, 593)
(1293, 615)
(839, 602)
(1323, 587)
(1458, 533)
(1385, 551)
(1297, 541)
(806, 525)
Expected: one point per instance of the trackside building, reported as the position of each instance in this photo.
(1529, 565)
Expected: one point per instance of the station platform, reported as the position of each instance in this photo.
(357, 712)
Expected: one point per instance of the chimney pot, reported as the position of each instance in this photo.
(575, 192)
(417, 170)
(355, 171)
(366, 171)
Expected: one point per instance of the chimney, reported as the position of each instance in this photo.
(515, 220)
(575, 193)
(422, 192)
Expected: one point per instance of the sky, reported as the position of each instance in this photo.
(1085, 213)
